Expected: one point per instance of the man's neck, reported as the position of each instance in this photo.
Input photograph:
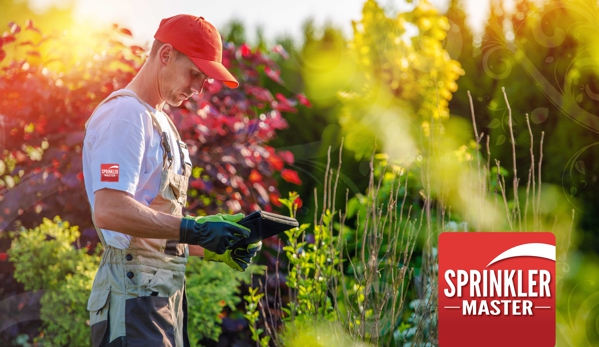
(145, 86)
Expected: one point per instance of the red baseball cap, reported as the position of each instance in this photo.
(200, 41)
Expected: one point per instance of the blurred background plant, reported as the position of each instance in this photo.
(46, 261)
(440, 128)
(213, 293)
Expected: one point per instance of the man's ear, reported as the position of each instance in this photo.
(166, 53)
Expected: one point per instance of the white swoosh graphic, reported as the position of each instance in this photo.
(114, 167)
(541, 250)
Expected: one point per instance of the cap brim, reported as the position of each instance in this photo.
(216, 70)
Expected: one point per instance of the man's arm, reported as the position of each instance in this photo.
(117, 210)
(197, 251)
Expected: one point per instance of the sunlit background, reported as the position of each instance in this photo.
(396, 82)
(276, 18)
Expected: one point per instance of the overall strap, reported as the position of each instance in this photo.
(184, 166)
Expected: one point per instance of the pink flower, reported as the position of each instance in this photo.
(286, 156)
(283, 105)
(273, 74)
(279, 49)
(303, 100)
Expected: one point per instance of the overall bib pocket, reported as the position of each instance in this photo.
(98, 305)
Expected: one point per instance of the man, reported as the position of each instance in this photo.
(136, 171)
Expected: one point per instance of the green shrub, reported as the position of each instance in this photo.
(45, 259)
(211, 287)
(318, 333)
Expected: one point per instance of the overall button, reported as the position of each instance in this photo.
(130, 274)
(129, 257)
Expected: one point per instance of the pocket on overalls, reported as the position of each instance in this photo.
(149, 322)
(98, 306)
(160, 285)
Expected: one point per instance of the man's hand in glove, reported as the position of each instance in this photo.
(215, 233)
(236, 258)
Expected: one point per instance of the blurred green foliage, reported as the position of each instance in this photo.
(385, 89)
(252, 314)
(211, 289)
(312, 268)
(545, 55)
(45, 259)
(318, 333)
(402, 71)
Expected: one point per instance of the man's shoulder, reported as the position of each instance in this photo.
(121, 109)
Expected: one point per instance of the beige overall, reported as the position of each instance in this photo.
(138, 295)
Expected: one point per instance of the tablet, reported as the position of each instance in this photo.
(264, 225)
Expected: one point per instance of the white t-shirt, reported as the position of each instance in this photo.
(122, 150)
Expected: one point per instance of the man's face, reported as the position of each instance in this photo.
(180, 79)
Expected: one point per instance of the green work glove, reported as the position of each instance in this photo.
(215, 233)
(237, 258)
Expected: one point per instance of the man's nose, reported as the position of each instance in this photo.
(198, 86)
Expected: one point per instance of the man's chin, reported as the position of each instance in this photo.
(175, 103)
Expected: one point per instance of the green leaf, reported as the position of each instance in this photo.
(495, 123)
(500, 140)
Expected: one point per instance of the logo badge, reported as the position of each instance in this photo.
(109, 172)
(497, 289)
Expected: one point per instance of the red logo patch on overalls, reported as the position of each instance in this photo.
(109, 172)
(497, 289)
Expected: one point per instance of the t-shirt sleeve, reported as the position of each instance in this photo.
(117, 151)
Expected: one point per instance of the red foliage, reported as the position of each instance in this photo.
(42, 113)
(303, 100)
(298, 203)
(43, 107)
(291, 176)
(227, 130)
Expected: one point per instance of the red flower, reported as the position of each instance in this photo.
(30, 26)
(261, 94)
(245, 50)
(6, 38)
(3, 256)
(276, 162)
(126, 31)
(274, 199)
(298, 202)
(303, 100)
(14, 28)
(273, 74)
(291, 176)
(255, 176)
(283, 105)
(213, 87)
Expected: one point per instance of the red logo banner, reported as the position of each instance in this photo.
(497, 289)
(109, 172)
